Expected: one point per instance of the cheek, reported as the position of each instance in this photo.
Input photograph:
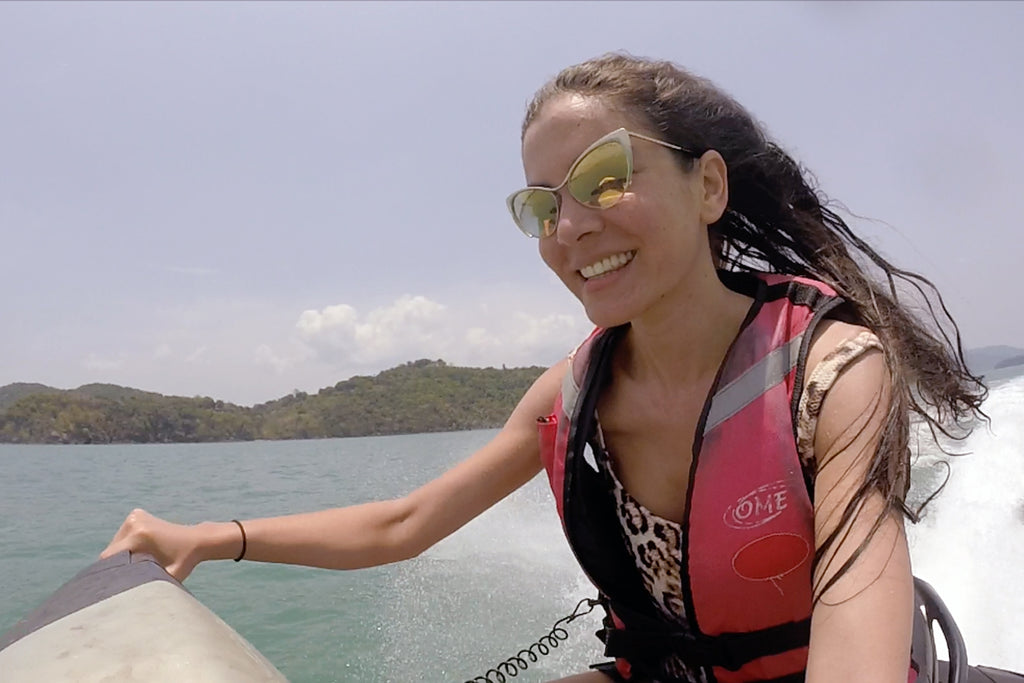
(674, 215)
(554, 259)
(548, 252)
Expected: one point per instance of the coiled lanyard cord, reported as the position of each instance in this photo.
(520, 662)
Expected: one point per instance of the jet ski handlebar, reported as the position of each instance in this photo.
(930, 609)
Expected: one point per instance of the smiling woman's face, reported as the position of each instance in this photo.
(630, 260)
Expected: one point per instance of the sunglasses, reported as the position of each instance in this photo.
(598, 179)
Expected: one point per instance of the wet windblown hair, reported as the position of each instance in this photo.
(778, 221)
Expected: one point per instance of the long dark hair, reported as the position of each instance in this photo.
(778, 221)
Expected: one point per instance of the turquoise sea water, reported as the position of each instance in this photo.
(494, 587)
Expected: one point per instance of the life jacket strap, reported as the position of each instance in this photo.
(727, 650)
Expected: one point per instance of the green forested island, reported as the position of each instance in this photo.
(417, 397)
(420, 396)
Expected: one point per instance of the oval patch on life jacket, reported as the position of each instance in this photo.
(770, 558)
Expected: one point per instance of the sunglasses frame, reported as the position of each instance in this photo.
(621, 136)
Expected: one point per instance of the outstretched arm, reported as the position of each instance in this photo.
(861, 626)
(362, 535)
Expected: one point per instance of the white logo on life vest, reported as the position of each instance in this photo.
(758, 507)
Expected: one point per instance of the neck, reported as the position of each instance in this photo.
(686, 338)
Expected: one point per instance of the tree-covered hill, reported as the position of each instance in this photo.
(986, 358)
(1009, 362)
(421, 396)
(12, 393)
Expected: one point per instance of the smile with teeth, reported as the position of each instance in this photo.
(606, 265)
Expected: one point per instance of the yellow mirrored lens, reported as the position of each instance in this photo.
(608, 197)
(536, 212)
(600, 178)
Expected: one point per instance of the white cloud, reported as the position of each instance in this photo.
(249, 351)
(520, 338)
(280, 362)
(537, 332)
(481, 339)
(415, 327)
(264, 355)
(412, 324)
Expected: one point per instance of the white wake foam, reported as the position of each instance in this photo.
(970, 545)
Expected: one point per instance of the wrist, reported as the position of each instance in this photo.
(241, 554)
(219, 541)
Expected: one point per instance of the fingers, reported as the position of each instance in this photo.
(171, 545)
(127, 534)
(110, 551)
(141, 532)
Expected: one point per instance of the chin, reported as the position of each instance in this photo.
(605, 317)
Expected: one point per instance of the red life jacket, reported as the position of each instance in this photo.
(748, 536)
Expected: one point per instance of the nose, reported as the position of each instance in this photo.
(576, 220)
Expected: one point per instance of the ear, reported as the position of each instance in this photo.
(714, 186)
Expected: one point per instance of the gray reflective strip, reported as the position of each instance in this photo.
(569, 389)
(755, 380)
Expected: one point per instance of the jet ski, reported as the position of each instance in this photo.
(125, 619)
(931, 611)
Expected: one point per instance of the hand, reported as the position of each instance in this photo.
(174, 546)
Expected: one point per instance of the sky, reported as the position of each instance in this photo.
(240, 200)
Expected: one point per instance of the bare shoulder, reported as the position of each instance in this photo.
(517, 440)
(540, 397)
(502, 465)
(519, 433)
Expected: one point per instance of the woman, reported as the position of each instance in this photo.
(728, 451)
